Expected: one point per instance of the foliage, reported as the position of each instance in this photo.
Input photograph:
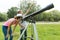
(12, 12)
(53, 15)
(25, 5)
(3, 17)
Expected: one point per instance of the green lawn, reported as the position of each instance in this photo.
(45, 32)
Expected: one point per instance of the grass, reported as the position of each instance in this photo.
(45, 32)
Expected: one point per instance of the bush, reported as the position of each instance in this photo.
(3, 17)
(48, 16)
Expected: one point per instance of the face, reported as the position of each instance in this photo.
(20, 19)
(20, 12)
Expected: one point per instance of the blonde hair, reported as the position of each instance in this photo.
(20, 11)
(15, 17)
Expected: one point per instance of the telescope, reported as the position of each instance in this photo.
(32, 21)
(50, 6)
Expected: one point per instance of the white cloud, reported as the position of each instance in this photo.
(6, 4)
(44, 3)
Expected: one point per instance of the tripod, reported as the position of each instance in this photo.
(32, 21)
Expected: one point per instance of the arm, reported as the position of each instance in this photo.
(21, 25)
(28, 9)
(14, 27)
(8, 30)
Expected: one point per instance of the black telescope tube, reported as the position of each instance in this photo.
(40, 11)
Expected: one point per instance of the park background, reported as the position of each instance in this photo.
(48, 22)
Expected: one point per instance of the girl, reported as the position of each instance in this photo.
(23, 24)
(7, 27)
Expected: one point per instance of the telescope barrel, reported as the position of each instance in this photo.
(40, 11)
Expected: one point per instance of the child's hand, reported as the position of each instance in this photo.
(12, 34)
(7, 36)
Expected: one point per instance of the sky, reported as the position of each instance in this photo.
(7, 4)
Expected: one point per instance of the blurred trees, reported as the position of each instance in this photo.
(53, 15)
(25, 5)
(3, 17)
(12, 12)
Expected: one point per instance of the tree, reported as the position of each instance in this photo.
(3, 17)
(25, 4)
(55, 14)
(12, 12)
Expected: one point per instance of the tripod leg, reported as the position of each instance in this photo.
(35, 31)
(32, 32)
(25, 35)
(23, 32)
(32, 37)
